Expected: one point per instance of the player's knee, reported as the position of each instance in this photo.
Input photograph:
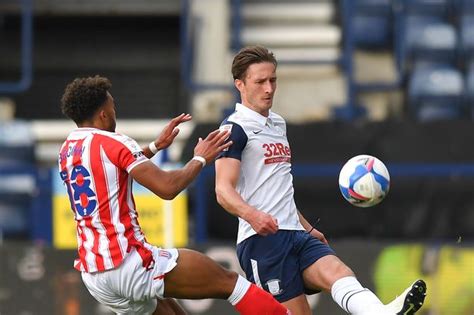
(342, 270)
(336, 267)
(230, 276)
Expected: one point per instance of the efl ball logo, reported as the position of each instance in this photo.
(364, 181)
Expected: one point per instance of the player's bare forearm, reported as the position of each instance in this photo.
(165, 184)
(168, 184)
(181, 178)
(227, 175)
(232, 202)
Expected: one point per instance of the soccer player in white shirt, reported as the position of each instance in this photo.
(119, 267)
(277, 248)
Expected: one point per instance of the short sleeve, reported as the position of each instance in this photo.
(239, 141)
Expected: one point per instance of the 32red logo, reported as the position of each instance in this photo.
(276, 153)
(276, 149)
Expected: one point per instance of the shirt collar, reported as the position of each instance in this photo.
(264, 121)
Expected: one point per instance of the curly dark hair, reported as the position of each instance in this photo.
(248, 56)
(83, 96)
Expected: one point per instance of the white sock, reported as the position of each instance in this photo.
(241, 287)
(353, 298)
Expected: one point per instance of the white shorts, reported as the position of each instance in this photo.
(131, 288)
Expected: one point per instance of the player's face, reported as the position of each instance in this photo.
(109, 118)
(258, 87)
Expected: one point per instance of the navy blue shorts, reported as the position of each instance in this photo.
(277, 261)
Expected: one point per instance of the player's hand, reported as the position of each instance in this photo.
(320, 236)
(212, 145)
(262, 223)
(169, 133)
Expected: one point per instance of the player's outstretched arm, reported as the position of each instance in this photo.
(227, 176)
(167, 135)
(168, 184)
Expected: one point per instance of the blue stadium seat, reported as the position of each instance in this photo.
(372, 23)
(373, 5)
(467, 37)
(470, 88)
(465, 7)
(17, 187)
(429, 38)
(13, 217)
(435, 92)
(11, 155)
(440, 8)
(470, 80)
(16, 143)
(371, 31)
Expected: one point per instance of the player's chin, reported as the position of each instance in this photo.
(267, 102)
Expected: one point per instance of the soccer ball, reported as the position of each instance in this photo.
(364, 181)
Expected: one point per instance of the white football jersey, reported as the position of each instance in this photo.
(265, 182)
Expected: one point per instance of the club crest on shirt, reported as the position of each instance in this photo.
(226, 127)
(273, 286)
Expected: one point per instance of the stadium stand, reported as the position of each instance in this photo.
(435, 92)
(429, 38)
(303, 33)
(391, 78)
(17, 178)
(317, 42)
(469, 98)
(467, 35)
(372, 23)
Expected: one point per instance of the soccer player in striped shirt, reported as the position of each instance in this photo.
(277, 248)
(119, 268)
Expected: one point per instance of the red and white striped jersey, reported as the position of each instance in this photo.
(94, 165)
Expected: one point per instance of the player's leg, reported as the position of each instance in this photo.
(272, 263)
(408, 303)
(322, 269)
(332, 275)
(298, 305)
(196, 276)
(168, 306)
(322, 274)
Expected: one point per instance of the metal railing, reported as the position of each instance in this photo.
(26, 52)
(188, 24)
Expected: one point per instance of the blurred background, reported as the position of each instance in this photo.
(390, 78)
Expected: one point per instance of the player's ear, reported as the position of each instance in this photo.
(102, 114)
(239, 84)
